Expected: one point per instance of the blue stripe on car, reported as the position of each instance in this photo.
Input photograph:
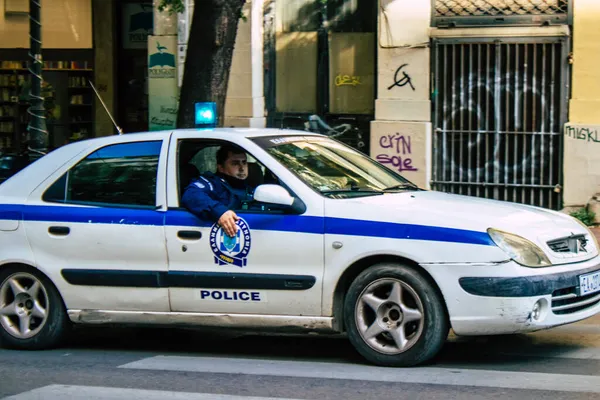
(270, 222)
(343, 226)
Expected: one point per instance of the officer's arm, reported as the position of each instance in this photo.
(200, 202)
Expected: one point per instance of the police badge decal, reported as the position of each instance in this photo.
(231, 250)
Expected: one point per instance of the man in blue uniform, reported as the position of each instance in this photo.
(213, 196)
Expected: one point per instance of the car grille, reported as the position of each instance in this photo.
(571, 246)
(566, 301)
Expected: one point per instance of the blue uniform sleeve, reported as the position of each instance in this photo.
(200, 202)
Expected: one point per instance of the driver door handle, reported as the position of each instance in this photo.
(189, 235)
(59, 230)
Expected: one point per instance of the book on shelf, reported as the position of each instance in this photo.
(66, 65)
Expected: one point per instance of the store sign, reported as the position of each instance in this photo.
(138, 23)
(163, 91)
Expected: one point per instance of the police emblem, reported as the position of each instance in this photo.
(231, 250)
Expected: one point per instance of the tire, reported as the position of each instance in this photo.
(48, 322)
(376, 316)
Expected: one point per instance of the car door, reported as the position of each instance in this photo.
(96, 226)
(274, 266)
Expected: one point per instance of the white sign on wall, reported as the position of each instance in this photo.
(162, 82)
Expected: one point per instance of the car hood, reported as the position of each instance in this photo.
(431, 208)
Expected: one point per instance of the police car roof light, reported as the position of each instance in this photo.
(206, 114)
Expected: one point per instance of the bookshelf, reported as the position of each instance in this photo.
(69, 101)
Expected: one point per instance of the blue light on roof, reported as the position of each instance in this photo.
(206, 114)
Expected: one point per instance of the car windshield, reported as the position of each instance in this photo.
(332, 168)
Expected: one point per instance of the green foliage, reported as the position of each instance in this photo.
(177, 6)
(585, 216)
(174, 6)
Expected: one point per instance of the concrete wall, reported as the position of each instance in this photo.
(238, 106)
(581, 163)
(582, 133)
(245, 99)
(66, 24)
(401, 131)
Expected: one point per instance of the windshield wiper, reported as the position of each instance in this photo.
(352, 190)
(402, 186)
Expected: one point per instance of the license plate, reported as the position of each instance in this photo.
(589, 283)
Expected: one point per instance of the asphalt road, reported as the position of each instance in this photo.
(102, 363)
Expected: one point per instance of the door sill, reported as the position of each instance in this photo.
(282, 323)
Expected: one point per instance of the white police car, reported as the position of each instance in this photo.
(94, 233)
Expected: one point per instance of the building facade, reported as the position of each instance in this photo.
(489, 98)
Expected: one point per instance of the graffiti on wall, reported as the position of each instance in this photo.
(395, 151)
(587, 134)
(486, 129)
(401, 80)
(347, 80)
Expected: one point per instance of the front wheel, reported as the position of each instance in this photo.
(32, 313)
(394, 316)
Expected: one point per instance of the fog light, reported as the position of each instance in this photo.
(537, 310)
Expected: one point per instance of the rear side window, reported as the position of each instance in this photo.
(118, 175)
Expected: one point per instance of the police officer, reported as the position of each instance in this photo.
(213, 196)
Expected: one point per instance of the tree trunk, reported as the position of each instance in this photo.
(208, 59)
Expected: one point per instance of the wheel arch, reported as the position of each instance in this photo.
(356, 268)
(27, 266)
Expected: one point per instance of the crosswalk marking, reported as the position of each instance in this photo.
(326, 370)
(60, 392)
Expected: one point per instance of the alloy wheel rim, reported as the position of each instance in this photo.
(24, 305)
(389, 316)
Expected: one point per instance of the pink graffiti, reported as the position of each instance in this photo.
(402, 146)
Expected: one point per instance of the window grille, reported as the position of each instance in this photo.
(500, 12)
(500, 108)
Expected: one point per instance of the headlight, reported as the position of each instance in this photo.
(519, 249)
(589, 231)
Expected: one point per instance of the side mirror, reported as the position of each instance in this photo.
(273, 194)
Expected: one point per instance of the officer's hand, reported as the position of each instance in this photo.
(227, 222)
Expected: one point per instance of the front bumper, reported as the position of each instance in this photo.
(495, 299)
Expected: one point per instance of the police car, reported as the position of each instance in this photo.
(94, 233)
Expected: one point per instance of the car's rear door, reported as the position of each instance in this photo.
(97, 229)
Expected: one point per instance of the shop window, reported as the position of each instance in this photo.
(69, 101)
(117, 175)
(297, 50)
(323, 52)
(351, 56)
(351, 16)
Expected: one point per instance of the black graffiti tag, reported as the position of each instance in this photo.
(406, 80)
(587, 134)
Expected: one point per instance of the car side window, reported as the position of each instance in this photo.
(196, 157)
(119, 175)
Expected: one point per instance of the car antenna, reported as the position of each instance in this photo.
(106, 109)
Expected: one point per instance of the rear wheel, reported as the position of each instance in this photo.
(32, 313)
(394, 316)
